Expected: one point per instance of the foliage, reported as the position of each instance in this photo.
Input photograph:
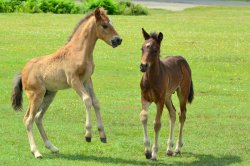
(7, 6)
(69, 6)
(29, 6)
(129, 8)
(112, 6)
(36, 6)
(115, 7)
(59, 6)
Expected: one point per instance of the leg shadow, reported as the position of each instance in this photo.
(203, 159)
(200, 159)
(103, 160)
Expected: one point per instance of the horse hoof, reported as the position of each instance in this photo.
(103, 140)
(55, 150)
(88, 139)
(177, 153)
(148, 155)
(170, 153)
(39, 157)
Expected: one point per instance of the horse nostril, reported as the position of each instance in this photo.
(143, 67)
(119, 40)
(116, 41)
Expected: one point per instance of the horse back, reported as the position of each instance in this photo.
(41, 72)
(176, 64)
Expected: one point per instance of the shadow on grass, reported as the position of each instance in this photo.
(200, 159)
(203, 159)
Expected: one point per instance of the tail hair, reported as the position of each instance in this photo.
(191, 93)
(17, 93)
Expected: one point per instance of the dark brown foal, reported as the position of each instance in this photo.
(160, 80)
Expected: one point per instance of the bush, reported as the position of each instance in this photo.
(133, 9)
(69, 6)
(29, 6)
(36, 6)
(8, 6)
(59, 6)
(112, 6)
(115, 7)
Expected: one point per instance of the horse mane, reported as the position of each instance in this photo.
(92, 13)
(154, 35)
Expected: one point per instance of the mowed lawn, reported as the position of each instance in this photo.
(214, 40)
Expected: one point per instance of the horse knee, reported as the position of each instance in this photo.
(87, 101)
(38, 117)
(157, 126)
(173, 116)
(144, 117)
(28, 122)
(182, 116)
(96, 104)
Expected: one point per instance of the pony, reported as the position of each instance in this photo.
(161, 78)
(69, 67)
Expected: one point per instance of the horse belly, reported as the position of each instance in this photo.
(55, 81)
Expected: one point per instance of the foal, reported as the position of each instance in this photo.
(160, 80)
(69, 67)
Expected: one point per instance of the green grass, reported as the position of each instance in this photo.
(214, 40)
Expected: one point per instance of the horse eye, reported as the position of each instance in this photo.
(105, 26)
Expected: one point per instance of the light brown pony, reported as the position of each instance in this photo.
(69, 67)
(160, 80)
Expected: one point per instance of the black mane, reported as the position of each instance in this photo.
(154, 35)
(80, 23)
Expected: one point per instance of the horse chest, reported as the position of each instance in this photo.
(85, 71)
(151, 93)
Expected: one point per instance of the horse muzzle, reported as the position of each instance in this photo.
(143, 67)
(116, 41)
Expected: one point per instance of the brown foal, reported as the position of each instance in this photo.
(160, 80)
(69, 67)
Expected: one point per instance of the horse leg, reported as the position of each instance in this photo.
(172, 114)
(78, 86)
(157, 127)
(96, 106)
(35, 100)
(48, 98)
(182, 117)
(144, 120)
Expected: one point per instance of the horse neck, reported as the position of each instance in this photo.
(154, 71)
(84, 39)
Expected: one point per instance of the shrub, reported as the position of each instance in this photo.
(7, 6)
(115, 7)
(132, 9)
(112, 6)
(59, 6)
(29, 6)
(69, 6)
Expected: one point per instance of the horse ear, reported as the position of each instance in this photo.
(145, 34)
(98, 14)
(160, 37)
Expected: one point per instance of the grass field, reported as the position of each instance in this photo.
(214, 40)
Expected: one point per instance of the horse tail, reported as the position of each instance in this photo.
(17, 93)
(191, 93)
